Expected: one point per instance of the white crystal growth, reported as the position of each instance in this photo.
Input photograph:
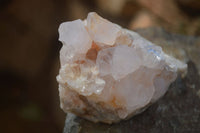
(101, 30)
(109, 73)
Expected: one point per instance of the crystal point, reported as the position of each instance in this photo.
(101, 30)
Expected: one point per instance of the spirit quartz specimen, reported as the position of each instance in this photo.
(109, 73)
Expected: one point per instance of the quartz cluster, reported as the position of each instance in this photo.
(109, 73)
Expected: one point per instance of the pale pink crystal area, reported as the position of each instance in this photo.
(109, 73)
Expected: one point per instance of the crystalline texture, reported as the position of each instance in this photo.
(75, 39)
(122, 65)
(109, 73)
(101, 30)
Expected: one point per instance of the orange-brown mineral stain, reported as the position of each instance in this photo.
(95, 46)
(114, 101)
(92, 52)
(117, 101)
(80, 61)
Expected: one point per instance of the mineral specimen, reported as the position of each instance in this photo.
(109, 73)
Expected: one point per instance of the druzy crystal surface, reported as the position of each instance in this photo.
(109, 73)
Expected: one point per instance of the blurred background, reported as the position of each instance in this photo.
(29, 52)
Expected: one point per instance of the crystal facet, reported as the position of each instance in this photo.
(109, 73)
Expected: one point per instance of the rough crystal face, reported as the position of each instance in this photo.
(109, 73)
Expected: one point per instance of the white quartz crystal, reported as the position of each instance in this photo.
(109, 73)
(101, 30)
